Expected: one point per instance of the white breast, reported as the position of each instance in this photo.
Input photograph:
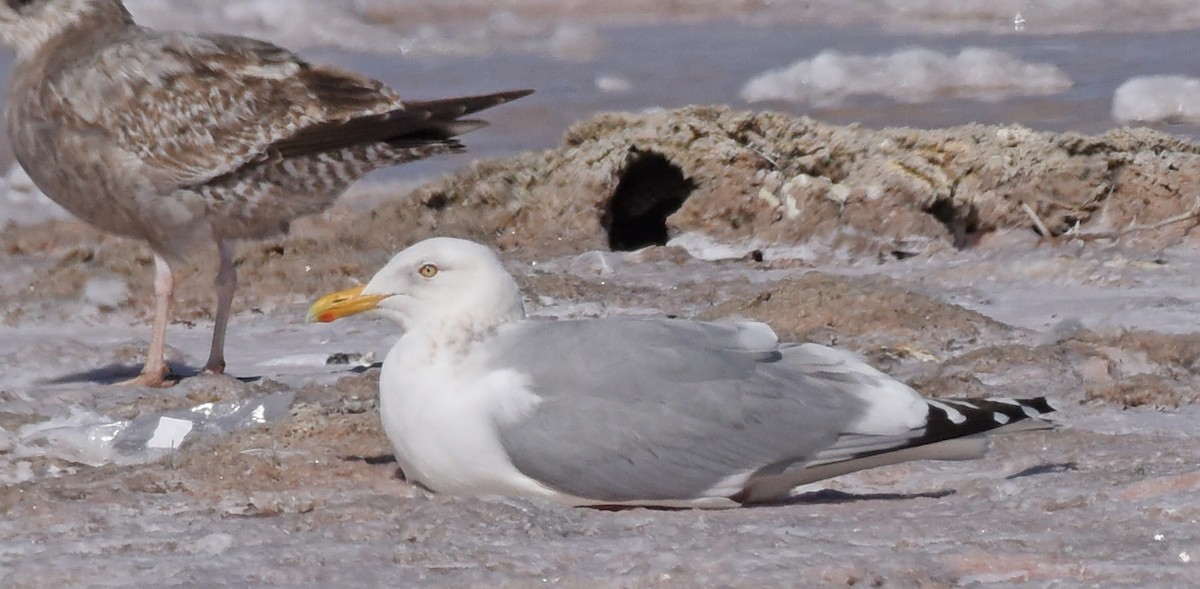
(441, 414)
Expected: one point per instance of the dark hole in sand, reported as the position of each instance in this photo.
(650, 189)
(961, 221)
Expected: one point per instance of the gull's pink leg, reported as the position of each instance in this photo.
(154, 373)
(226, 283)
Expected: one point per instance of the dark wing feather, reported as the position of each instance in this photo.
(414, 124)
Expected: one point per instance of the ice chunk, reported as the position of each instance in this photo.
(170, 433)
(595, 263)
(1149, 99)
(613, 84)
(84, 437)
(910, 75)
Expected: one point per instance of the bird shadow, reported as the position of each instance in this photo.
(362, 369)
(831, 497)
(397, 473)
(117, 373)
(822, 497)
(372, 460)
(1043, 469)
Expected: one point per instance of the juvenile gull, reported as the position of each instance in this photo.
(478, 400)
(192, 141)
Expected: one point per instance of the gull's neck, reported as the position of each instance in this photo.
(75, 25)
(454, 333)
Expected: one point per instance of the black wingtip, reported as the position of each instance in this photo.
(1040, 404)
(446, 109)
(953, 418)
(510, 95)
(417, 123)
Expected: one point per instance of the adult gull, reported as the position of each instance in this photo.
(478, 400)
(192, 141)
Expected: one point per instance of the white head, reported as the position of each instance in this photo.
(440, 283)
(26, 25)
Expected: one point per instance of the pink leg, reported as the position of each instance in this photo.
(154, 373)
(226, 283)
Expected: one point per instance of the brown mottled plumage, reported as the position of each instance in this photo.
(189, 140)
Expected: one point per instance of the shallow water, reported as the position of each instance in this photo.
(676, 65)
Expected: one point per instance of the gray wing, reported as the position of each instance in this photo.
(662, 410)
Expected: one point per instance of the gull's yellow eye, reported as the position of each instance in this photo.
(427, 270)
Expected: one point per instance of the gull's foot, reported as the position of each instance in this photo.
(214, 367)
(159, 379)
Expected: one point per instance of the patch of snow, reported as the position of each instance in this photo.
(909, 75)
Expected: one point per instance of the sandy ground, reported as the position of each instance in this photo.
(918, 249)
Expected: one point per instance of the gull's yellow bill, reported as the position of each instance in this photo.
(343, 303)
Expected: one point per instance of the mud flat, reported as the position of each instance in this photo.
(976, 260)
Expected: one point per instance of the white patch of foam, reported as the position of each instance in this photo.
(909, 75)
(1151, 99)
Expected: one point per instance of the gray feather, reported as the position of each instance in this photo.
(661, 410)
